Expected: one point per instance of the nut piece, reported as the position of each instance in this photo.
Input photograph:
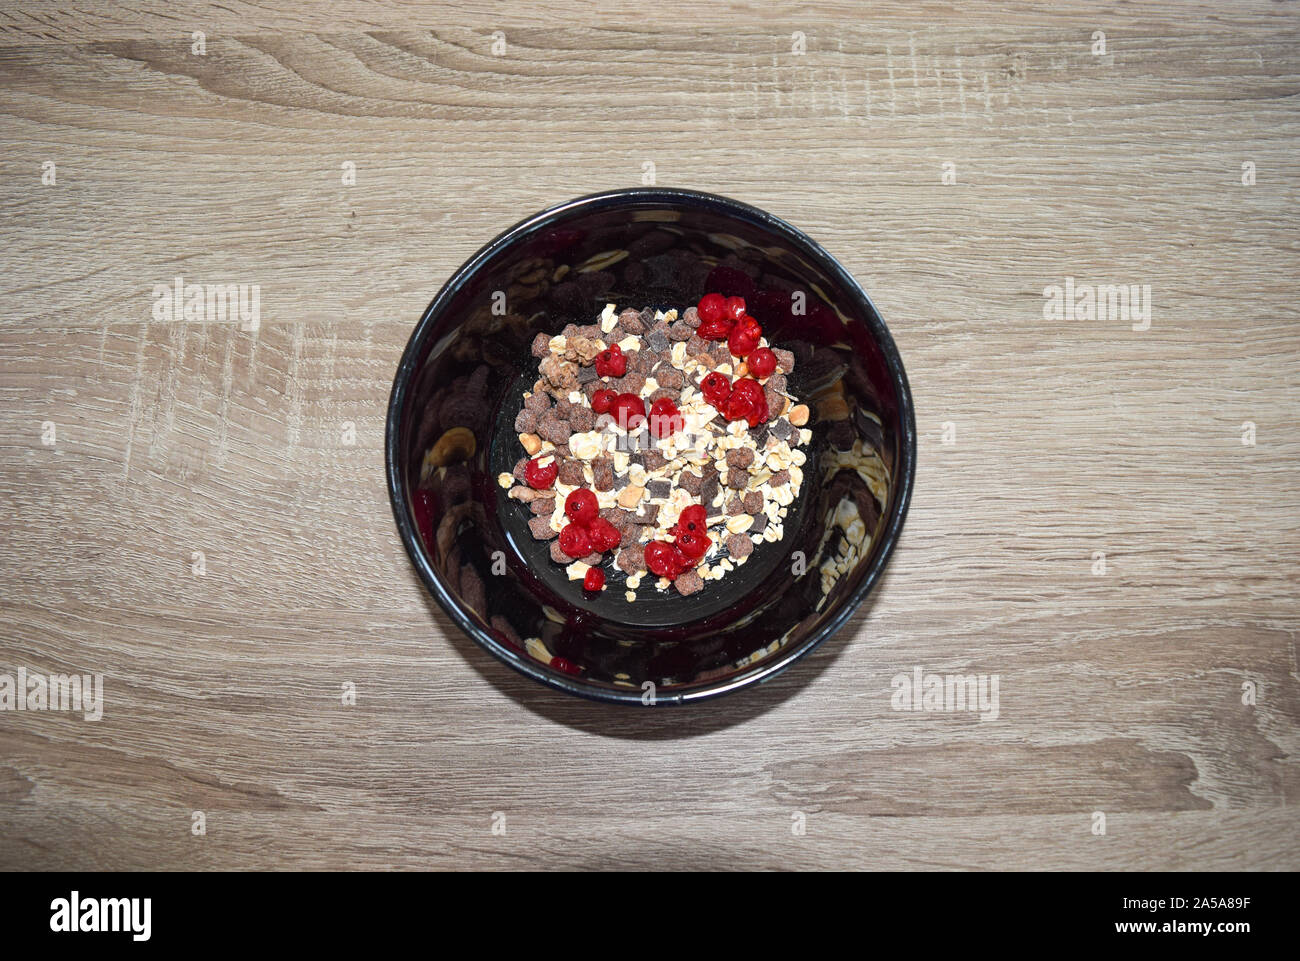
(532, 443)
(799, 415)
(630, 496)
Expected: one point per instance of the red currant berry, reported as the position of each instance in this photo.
(603, 400)
(748, 388)
(575, 541)
(715, 329)
(660, 560)
(541, 478)
(693, 545)
(738, 407)
(628, 410)
(665, 418)
(735, 307)
(604, 535)
(694, 519)
(593, 580)
(744, 337)
(610, 362)
(711, 307)
(582, 509)
(716, 388)
(761, 363)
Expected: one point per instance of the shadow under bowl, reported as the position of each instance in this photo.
(450, 433)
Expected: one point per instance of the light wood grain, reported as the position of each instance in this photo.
(1120, 693)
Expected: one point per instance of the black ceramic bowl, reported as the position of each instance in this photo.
(450, 433)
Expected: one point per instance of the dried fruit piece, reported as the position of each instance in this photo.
(610, 362)
(594, 580)
(581, 507)
(541, 478)
(575, 541)
(761, 362)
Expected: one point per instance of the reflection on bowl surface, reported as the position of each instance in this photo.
(450, 433)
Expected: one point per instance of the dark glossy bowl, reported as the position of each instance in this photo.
(450, 433)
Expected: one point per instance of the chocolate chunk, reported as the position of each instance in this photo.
(780, 478)
(648, 514)
(653, 460)
(657, 340)
(540, 528)
(739, 545)
(526, 422)
(720, 351)
(648, 317)
(641, 361)
(630, 383)
(774, 400)
(541, 345)
(631, 560)
(753, 502)
(739, 457)
(782, 429)
(587, 374)
(690, 482)
(551, 428)
(669, 376)
(618, 517)
(709, 490)
(760, 523)
(659, 489)
(759, 434)
(602, 470)
(630, 536)
(571, 473)
(630, 322)
(688, 582)
(542, 506)
(581, 418)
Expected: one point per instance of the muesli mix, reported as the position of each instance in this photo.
(666, 445)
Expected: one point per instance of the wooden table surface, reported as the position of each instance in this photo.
(184, 513)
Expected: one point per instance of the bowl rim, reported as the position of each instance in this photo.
(638, 197)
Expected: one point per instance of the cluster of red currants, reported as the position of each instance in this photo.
(690, 543)
(724, 318)
(628, 410)
(587, 533)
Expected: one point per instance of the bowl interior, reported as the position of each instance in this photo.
(451, 433)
